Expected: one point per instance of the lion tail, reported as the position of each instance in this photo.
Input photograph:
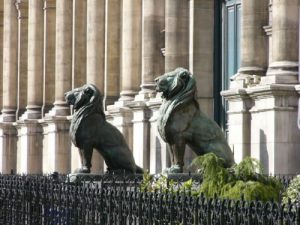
(138, 169)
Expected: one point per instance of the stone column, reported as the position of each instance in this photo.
(285, 39)
(112, 51)
(8, 140)
(254, 42)
(1, 52)
(49, 55)
(177, 38)
(131, 49)
(79, 43)
(95, 43)
(63, 56)
(56, 125)
(29, 130)
(152, 58)
(35, 60)
(22, 8)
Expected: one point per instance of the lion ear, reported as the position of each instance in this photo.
(184, 75)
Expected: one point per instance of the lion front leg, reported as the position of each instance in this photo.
(177, 150)
(86, 158)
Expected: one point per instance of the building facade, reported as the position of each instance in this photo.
(247, 48)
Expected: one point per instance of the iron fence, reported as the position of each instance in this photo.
(53, 200)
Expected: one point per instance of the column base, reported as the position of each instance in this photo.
(32, 112)
(8, 115)
(284, 72)
(8, 148)
(57, 144)
(60, 108)
(30, 146)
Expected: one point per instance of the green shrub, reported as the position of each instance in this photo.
(293, 191)
(245, 179)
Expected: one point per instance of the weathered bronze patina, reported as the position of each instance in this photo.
(90, 130)
(181, 122)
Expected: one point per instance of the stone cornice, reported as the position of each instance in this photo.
(271, 90)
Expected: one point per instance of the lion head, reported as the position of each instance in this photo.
(86, 100)
(178, 87)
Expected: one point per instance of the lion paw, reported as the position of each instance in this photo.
(83, 169)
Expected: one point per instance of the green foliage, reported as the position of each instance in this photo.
(293, 191)
(245, 179)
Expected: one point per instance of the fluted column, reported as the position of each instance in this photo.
(152, 59)
(49, 55)
(95, 42)
(112, 51)
(35, 60)
(131, 48)
(10, 57)
(63, 56)
(29, 130)
(79, 43)
(7, 130)
(285, 39)
(22, 8)
(254, 45)
(1, 52)
(57, 152)
(177, 44)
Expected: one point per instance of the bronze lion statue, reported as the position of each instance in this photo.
(181, 122)
(89, 129)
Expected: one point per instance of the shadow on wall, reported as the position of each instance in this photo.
(264, 155)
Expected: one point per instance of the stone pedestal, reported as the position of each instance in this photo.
(141, 141)
(275, 138)
(122, 119)
(30, 146)
(239, 122)
(57, 145)
(159, 155)
(8, 148)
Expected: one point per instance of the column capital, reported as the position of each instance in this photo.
(22, 8)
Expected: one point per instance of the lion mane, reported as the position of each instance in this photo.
(181, 90)
(180, 121)
(93, 104)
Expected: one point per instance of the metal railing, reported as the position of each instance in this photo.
(48, 200)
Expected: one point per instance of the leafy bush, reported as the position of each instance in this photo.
(292, 193)
(245, 179)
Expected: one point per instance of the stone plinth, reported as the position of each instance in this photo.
(30, 146)
(57, 145)
(159, 156)
(141, 131)
(239, 122)
(275, 138)
(122, 119)
(8, 148)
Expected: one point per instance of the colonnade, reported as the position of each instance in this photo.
(51, 46)
(263, 98)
